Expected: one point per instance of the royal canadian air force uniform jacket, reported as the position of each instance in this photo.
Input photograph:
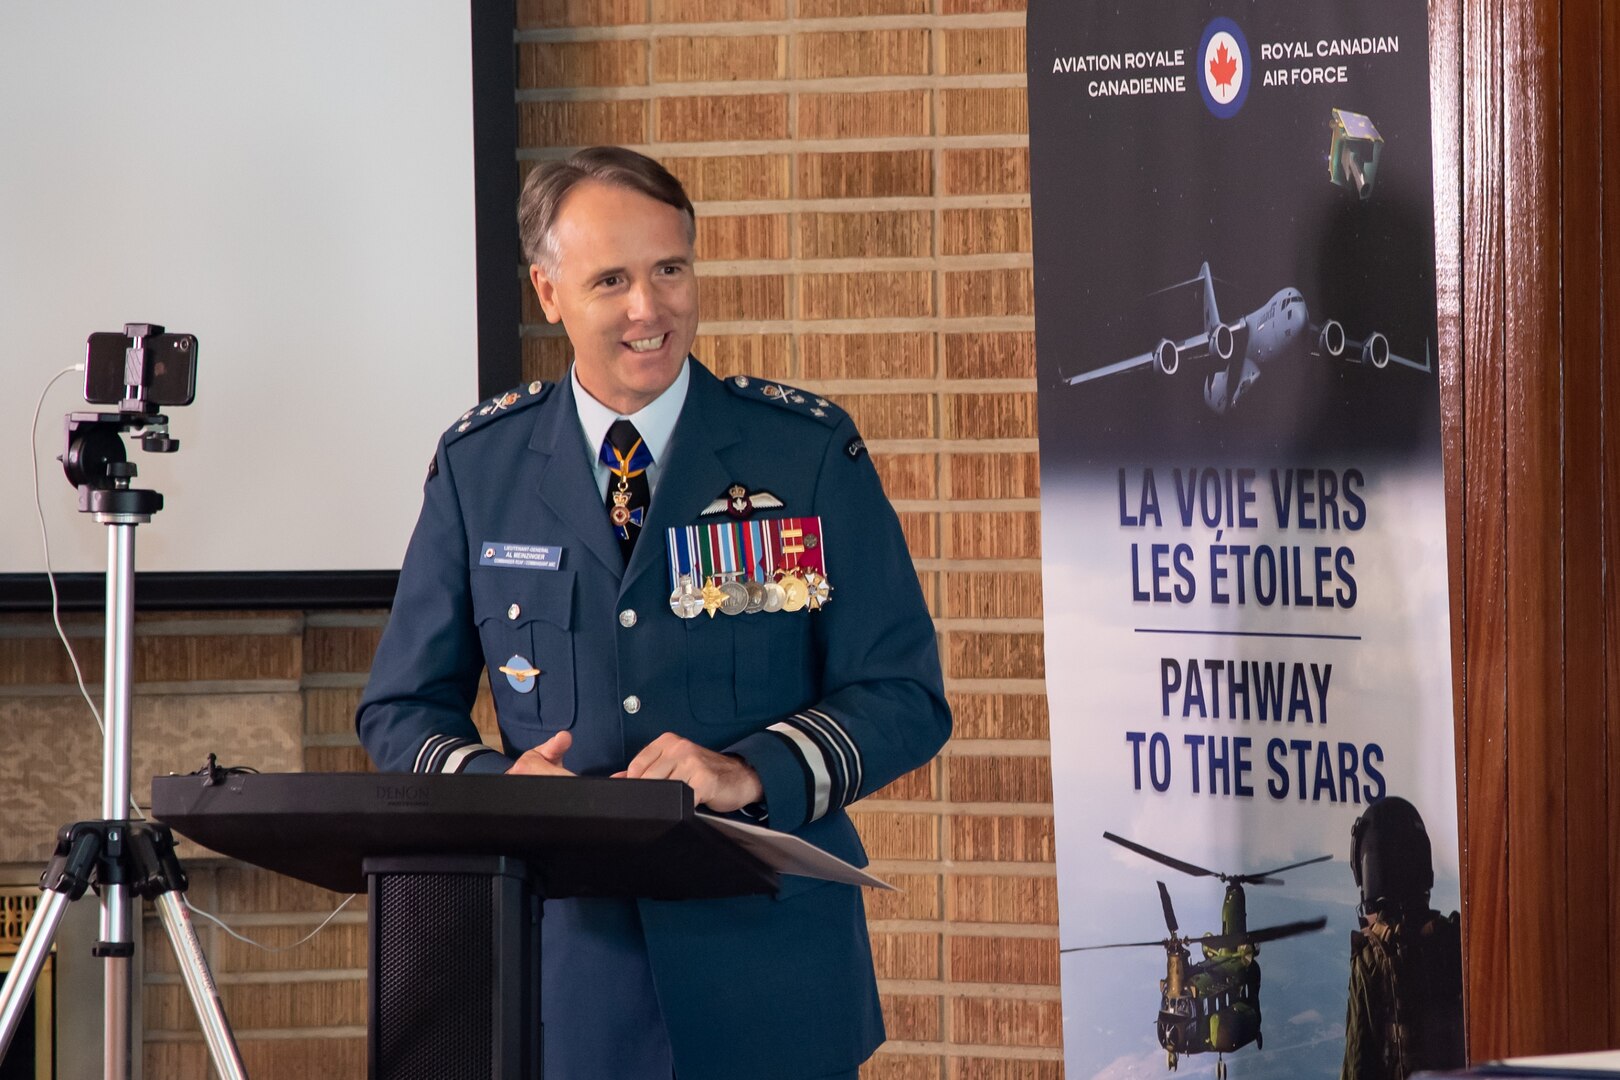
(827, 705)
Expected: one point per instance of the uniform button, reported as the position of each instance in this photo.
(627, 618)
(513, 612)
(632, 704)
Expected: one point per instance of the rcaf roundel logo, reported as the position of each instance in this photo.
(1223, 58)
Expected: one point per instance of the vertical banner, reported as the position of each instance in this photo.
(1244, 546)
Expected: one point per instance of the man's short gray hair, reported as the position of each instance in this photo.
(548, 184)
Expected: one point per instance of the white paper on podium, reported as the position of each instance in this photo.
(1596, 1063)
(787, 854)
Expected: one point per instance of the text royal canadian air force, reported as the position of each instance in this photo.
(1163, 71)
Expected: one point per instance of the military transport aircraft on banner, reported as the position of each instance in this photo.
(1280, 329)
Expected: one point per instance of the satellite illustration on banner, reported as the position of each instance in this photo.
(1243, 538)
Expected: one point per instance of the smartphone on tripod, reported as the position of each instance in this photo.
(169, 376)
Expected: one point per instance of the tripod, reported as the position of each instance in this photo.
(122, 858)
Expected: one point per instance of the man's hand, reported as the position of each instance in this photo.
(545, 759)
(719, 781)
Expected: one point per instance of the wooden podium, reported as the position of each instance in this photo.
(456, 869)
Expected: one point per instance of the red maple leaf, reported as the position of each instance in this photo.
(1223, 67)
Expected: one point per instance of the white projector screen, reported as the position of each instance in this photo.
(293, 184)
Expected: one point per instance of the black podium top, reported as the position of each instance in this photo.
(581, 836)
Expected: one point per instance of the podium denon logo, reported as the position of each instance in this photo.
(396, 793)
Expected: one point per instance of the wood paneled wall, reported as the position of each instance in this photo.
(1527, 107)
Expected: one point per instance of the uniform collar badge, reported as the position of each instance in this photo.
(738, 502)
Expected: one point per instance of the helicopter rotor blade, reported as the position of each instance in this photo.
(1264, 934)
(1160, 857)
(1264, 877)
(1165, 944)
(1169, 909)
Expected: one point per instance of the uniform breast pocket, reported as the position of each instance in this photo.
(774, 664)
(711, 669)
(748, 667)
(525, 622)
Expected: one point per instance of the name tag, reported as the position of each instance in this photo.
(520, 556)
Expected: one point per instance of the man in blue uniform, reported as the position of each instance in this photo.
(667, 576)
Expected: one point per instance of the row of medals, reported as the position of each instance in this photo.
(796, 590)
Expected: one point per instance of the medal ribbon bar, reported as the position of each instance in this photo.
(752, 550)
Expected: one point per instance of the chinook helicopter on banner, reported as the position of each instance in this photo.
(1239, 351)
(1213, 1004)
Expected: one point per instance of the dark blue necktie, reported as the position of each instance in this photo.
(628, 493)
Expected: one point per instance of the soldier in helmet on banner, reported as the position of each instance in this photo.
(1405, 1009)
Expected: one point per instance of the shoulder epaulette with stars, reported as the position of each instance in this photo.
(486, 411)
(788, 397)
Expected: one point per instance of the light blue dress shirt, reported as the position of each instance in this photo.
(655, 421)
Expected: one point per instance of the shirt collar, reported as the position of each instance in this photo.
(655, 421)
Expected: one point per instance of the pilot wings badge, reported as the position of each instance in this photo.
(739, 503)
(520, 674)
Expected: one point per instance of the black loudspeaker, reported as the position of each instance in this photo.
(453, 972)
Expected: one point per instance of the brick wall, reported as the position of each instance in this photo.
(275, 690)
(861, 175)
(860, 170)
(299, 1012)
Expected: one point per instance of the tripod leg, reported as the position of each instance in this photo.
(117, 949)
(200, 983)
(116, 1044)
(31, 955)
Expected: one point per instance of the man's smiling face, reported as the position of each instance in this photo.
(622, 283)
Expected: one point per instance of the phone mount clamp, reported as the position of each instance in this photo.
(120, 857)
(95, 461)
